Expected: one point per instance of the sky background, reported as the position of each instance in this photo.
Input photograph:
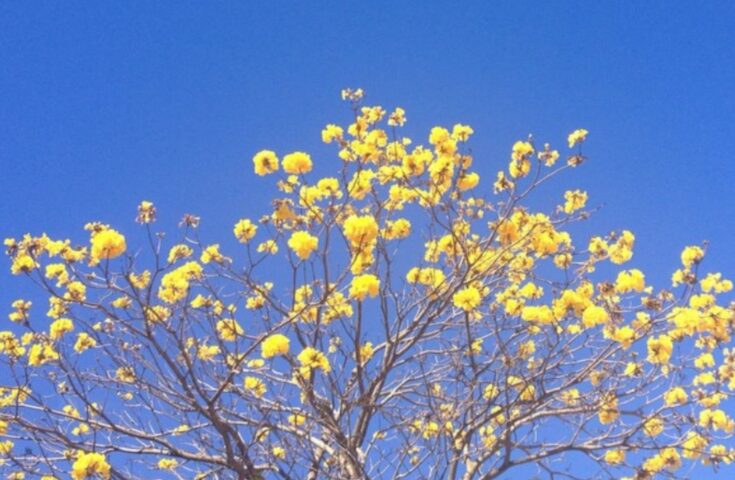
(105, 104)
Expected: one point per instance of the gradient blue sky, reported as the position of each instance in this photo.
(105, 104)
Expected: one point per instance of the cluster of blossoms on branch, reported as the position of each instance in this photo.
(389, 321)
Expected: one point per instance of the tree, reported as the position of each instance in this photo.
(387, 322)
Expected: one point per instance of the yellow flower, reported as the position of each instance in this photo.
(255, 385)
(630, 281)
(397, 118)
(303, 244)
(675, 396)
(269, 246)
(84, 341)
(5, 447)
(694, 445)
(60, 327)
(146, 212)
(245, 230)
(140, 281)
(594, 315)
(178, 252)
(125, 374)
(521, 151)
(608, 409)
(461, 132)
(653, 426)
(168, 463)
(22, 263)
(40, 354)
(624, 335)
(297, 419)
(265, 162)
(490, 392)
(274, 345)
(207, 352)
(659, 349)
(212, 254)
(363, 286)
(468, 299)
(331, 133)
(360, 231)
(615, 457)
(622, 250)
(570, 397)
(229, 329)
(311, 358)
(575, 199)
(366, 352)
(297, 162)
(107, 244)
(577, 136)
(468, 181)
(279, 452)
(90, 464)
(691, 255)
(22, 309)
(670, 458)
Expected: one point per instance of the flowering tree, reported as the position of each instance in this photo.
(390, 321)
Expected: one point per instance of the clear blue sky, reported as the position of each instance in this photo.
(104, 104)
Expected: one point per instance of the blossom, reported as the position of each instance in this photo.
(691, 255)
(84, 342)
(274, 345)
(40, 354)
(296, 163)
(615, 457)
(107, 244)
(60, 327)
(90, 464)
(303, 244)
(331, 133)
(594, 315)
(255, 386)
(653, 426)
(265, 162)
(468, 181)
(468, 299)
(363, 286)
(168, 463)
(244, 230)
(212, 254)
(311, 358)
(360, 230)
(675, 396)
(630, 281)
(146, 212)
(577, 136)
(659, 349)
(397, 118)
(575, 199)
(229, 329)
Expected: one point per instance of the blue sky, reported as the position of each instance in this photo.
(106, 104)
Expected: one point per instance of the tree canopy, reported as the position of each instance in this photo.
(393, 319)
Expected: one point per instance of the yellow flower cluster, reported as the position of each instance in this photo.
(363, 286)
(90, 464)
(107, 244)
(275, 345)
(303, 244)
(311, 358)
(175, 284)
